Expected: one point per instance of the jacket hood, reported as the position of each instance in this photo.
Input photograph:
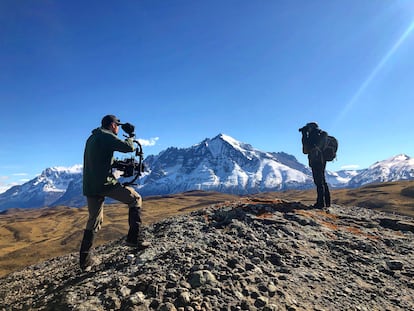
(101, 130)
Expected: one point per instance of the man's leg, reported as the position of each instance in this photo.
(95, 208)
(318, 179)
(326, 193)
(132, 198)
(85, 256)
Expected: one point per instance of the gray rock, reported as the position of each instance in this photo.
(231, 259)
(167, 307)
(394, 264)
(201, 277)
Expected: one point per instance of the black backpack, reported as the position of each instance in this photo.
(330, 149)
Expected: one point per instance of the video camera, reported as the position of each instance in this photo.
(129, 129)
(127, 166)
(131, 167)
(309, 127)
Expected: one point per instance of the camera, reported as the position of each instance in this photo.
(129, 129)
(128, 166)
(309, 127)
(134, 166)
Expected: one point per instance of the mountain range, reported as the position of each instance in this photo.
(218, 164)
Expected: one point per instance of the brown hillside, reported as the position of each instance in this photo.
(30, 236)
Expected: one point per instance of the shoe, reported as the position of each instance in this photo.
(140, 245)
(143, 245)
(85, 256)
(86, 262)
(317, 206)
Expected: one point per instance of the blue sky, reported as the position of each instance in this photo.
(182, 71)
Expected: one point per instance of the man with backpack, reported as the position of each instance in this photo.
(315, 144)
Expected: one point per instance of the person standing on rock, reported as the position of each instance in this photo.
(99, 182)
(313, 142)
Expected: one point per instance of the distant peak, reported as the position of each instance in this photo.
(63, 169)
(401, 157)
(395, 161)
(397, 158)
(227, 138)
(223, 141)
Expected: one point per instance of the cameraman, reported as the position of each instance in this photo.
(98, 183)
(313, 141)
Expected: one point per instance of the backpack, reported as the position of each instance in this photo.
(331, 146)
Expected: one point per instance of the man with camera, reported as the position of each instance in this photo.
(99, 182)
(313, 142)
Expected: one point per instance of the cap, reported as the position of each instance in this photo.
(312, 125)
(108, 119)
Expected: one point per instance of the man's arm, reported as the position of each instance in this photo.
(117, 144)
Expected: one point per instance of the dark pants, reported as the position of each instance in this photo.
(120, 193)
(322, 189)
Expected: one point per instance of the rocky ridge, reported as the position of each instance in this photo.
(244, 255)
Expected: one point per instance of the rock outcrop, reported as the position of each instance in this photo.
(245, 255)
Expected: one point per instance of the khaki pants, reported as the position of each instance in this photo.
(120, 193)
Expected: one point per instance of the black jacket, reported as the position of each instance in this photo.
(312, 145)
(98, 158)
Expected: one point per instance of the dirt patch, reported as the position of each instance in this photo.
(408, 192)
(373, 204)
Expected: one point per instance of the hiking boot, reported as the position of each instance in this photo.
(86, 261)
(317, 206)
(139, 244)
(85, 256)
(143, 245)
(131, 243)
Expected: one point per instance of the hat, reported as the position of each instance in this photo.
(312, 125)
(108, 119)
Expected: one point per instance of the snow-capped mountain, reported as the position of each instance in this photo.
(400, 167)
(220, 164)
(341, 179)
(73, 194)
(43, 190)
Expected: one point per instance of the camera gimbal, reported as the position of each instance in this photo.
(131, 167)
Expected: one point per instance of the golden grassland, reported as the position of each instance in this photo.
(31, 236)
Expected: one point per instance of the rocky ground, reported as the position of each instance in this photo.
(244, 255)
